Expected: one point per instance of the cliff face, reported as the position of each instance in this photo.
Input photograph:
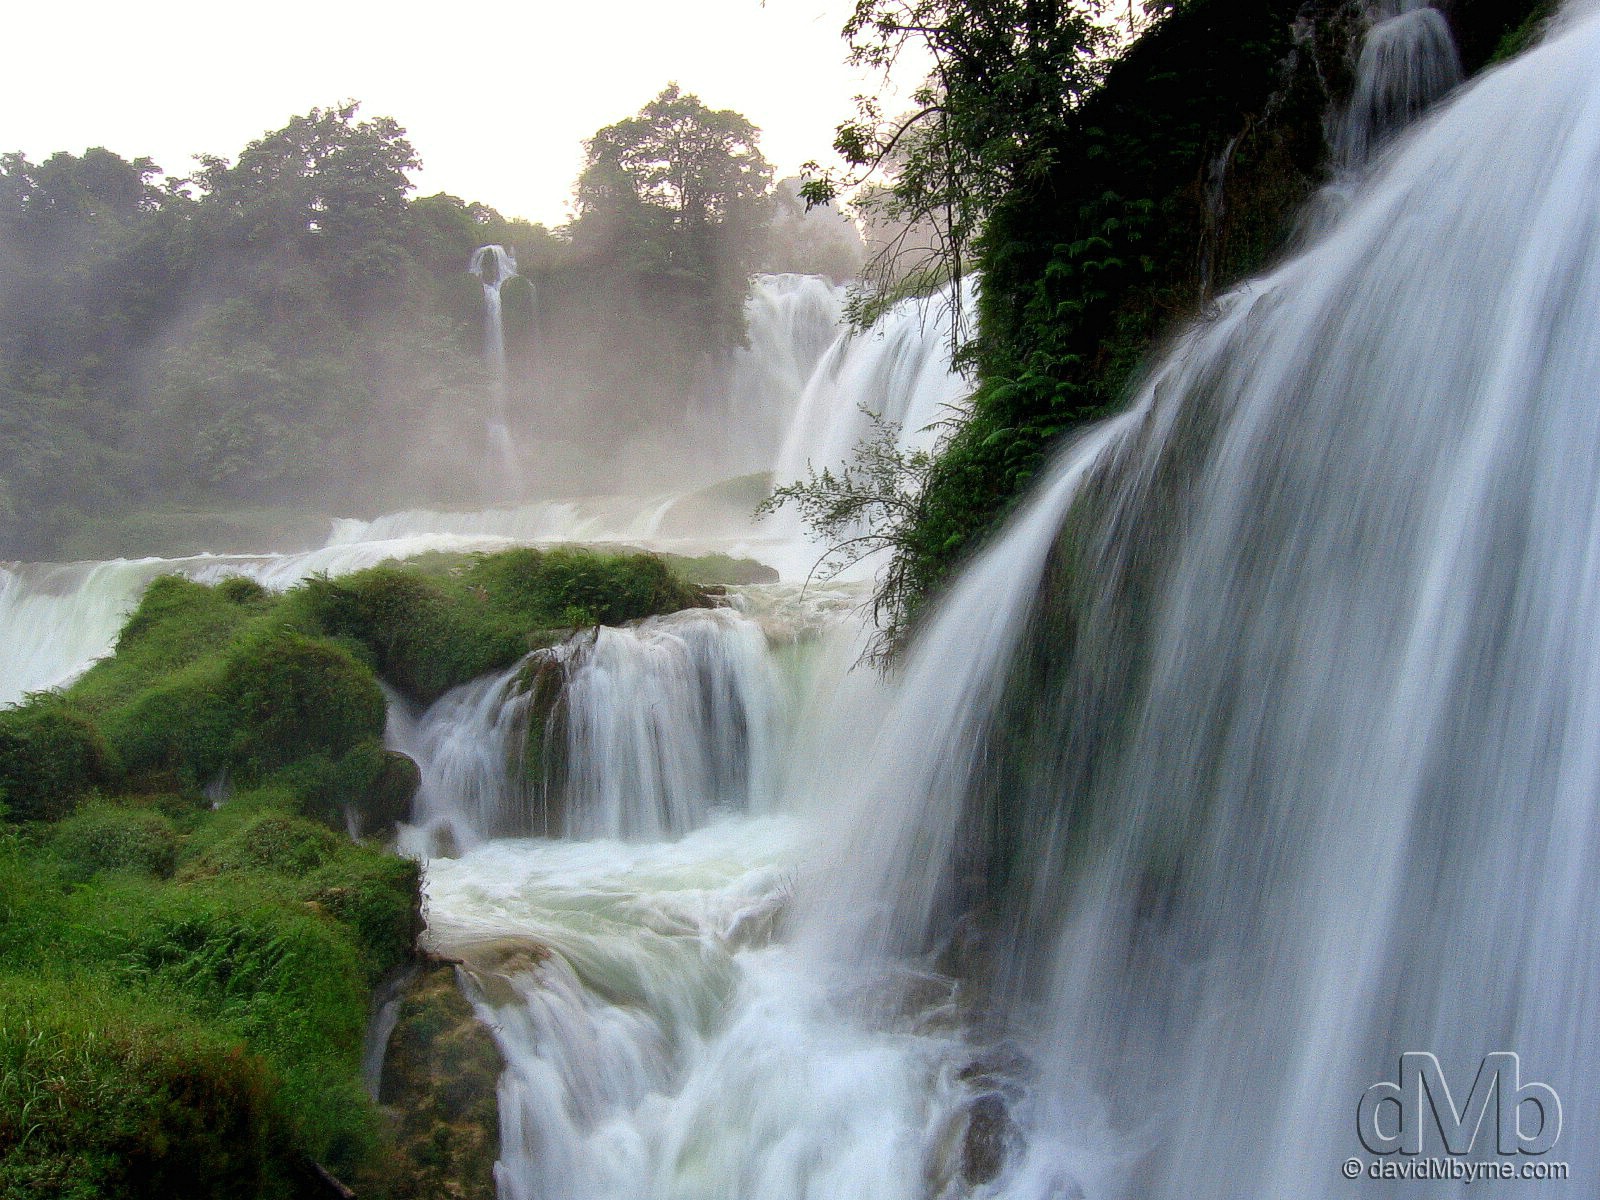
(1184, 173)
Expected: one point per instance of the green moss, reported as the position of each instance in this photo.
(259, 951)
(720, 570)
(51, 755)
(430, 627)
(245, 959)
(105, 837)
(263, 839)
(421, 634)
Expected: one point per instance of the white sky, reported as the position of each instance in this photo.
(496, 96)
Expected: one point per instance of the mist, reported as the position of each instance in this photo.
(229, 360)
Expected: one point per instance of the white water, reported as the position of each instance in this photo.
(1303, 778)
(1408, 63)
(898, 370)
(1288, 769)
(658, 726)
(791, 321)
(493, 265)
(1279, 766)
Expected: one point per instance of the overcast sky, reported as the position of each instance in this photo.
(497, 96)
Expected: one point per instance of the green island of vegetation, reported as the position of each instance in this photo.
(189, 939)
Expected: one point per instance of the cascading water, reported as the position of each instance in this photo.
(898, 370)
(1408, 63)
(790, 321)
(636, 733)
(1292, 767)
(493, 265)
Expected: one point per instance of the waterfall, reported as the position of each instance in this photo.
(667, 721)
(1408, 62)
(790, 321)
(493, 265)
(898, 370)
(642, 732)
(1291, 765)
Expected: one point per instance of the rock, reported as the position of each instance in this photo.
(438, 1090)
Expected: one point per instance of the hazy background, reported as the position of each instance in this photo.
(497, 96)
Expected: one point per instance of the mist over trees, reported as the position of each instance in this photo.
(291, 331)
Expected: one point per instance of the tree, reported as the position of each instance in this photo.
(696, 168)
(1007, 76)
(677, 197)
(326, 185)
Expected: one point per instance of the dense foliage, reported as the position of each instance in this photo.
(218, 357)
(188, 937)
(1104, 195)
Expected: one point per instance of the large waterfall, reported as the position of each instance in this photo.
(1293, 768)
(1257, 753)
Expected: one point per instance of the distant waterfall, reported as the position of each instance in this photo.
(790, 321)
(898, 370)
(1408, 63)
(493, 265)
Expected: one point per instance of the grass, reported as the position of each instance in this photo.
(184, 990)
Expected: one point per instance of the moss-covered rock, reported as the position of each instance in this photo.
(439, 1079)
(51, 755)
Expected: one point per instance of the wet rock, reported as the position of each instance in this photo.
(438, 1090)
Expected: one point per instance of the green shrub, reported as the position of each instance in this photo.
(376, 896)
(51, 755)
(269, 840)
(177, 622)
(102, 1094)
(179, 730)
(292, 695)
(538, 587)
(241, 589)
(421, 638)
(107, 838)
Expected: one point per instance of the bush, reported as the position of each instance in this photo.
(180, 729)
(420, 637)
(102, 1095)
(270, 840)
(538, 587)
(291, 695)
(107, 838)
(51, 755)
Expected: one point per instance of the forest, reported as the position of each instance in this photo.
(242, 351)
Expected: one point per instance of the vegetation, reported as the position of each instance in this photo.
(184, 987)
(290, 332)
(1103, 193)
